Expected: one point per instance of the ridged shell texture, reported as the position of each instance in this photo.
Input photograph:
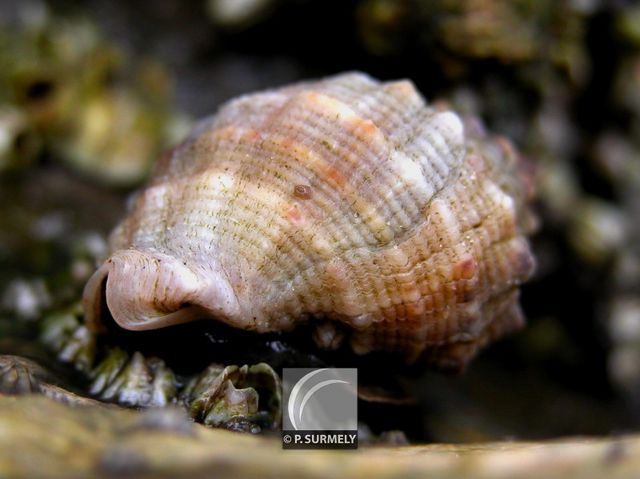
(346, 203)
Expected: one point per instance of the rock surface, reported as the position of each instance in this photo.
(43, 438)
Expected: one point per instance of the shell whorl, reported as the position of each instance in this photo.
(345, 201)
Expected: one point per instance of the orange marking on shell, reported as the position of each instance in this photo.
(332, 175)
(402, 88)
(364, 127)
(293, 214)
(313, 97)
(326, 105)
(465, 269)
(287, 143)
(253, 136)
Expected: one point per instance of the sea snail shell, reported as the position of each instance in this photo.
(343, 202)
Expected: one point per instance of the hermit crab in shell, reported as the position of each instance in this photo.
(347, 204)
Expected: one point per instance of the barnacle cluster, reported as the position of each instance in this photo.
(243, 398)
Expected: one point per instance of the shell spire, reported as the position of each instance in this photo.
(346, 203)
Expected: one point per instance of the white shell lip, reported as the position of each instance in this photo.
(150, 290)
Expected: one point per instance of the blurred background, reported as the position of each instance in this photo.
(91, 92)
